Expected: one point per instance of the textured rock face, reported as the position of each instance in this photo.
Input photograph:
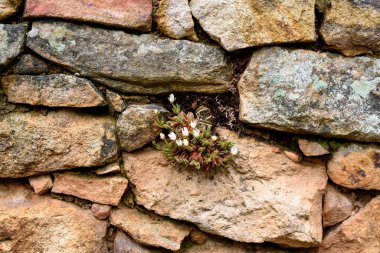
(115, 101)
(8, 8)
(100, 212)
(41, 224)
(41, 184)
(240, 24)
(103, 190)
(149, 230)
(125, 244)
(108, 169)
(356, 166)
(312, 148)
(133, 14)
(32, 143)
(352, 27)
(212, 246)
(266, 197)
(132, 63)
(359, 233)
(310, 92)
(12, 39)
(136, 126)
(174, 19)
(30, 65)
(57, 90)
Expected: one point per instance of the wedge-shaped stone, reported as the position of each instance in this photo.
(309, 92)
(237, 24)
(352, 27)
(32, 143)
(132, 63)
(12, 40)
(153, 231)
(103, 190)
(34, 224)
(132, 14)
(57, 90)
(265, 197)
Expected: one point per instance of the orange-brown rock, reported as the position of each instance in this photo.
(123, 243)
(41, 184)
(148, 229)
(312, 148)
(8, 8)
(359, 233)
(213, 246)
(197, 236)
(133, 14)
(109, 169)
(100, 212)
(356, 166)
(35, 224)
(102, 190)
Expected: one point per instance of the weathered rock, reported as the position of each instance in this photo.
(6, 107)
(295, 157)
(102, 190)
(115, 101)
(312, 148)
(240, 24)
(132, 14)
(57, 90)
(352, 27)
(30, 65)
(12, 40)
(153, 231)
(32, 143)
(359, 233)
(213, 246)
(41, 184)
(337, 206)
(356, 166)
(100, 212)
(197, 236)
(174, 19)
(311, 92)
(125, 244)
(108, 169)
(265, 197)
(136, 126)
(145, 64)
(34, 224)
(8, 8)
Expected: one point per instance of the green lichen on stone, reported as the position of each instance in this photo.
(362, 88)
(319, 85)
(279, 94)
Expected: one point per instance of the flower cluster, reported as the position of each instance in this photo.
(188, 143)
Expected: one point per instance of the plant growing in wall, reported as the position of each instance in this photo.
(187, 142)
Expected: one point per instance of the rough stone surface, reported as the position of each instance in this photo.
(8, 8)
(337, 206)
(41, 184)
(115, 101)
(359, 233)
(356, 166)
(136, 126)
(132, 14)
(12, 40)
(32, 143)
(34, 224)
(57, 90)
(213, 246)
(153, 231)
(100, 212)
(240, 24)
(197, 236)
(145, 64)
(30, 65)
(108, 169)
(312, 148)
(125, 244)
(265, 197)
(309, 92)
(352, 27)
(103, 190)
(174, 19)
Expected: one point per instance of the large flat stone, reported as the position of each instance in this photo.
(8, 8)
(237, 24)
(34, 224)
(32, 143)
(265, 197)
(144, 63)
(57, 90)
(352, 27)
(12, 40)
(132, 14)
(309, 92)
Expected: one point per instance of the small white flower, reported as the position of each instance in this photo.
(185, 131)
(162, 136)
(196, 133)
(214, 137)
(171, 98)
(179, 142)
(185, 142)
(172, 136)
(193, 123)
(234, 150)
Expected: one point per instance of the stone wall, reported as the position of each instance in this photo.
(294, 83)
